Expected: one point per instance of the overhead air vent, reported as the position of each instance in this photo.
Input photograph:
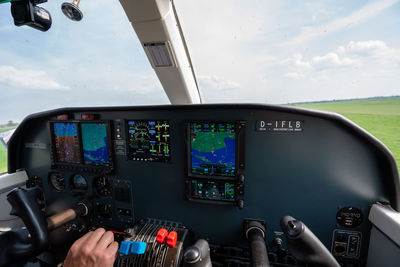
(159, 54)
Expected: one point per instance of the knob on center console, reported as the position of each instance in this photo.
(198, 255)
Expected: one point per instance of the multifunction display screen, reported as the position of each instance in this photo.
(212, 149)
(66, 139)
(149, 140)
(81, 144)
(213, 190)
(95, 144)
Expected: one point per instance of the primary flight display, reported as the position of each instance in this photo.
(66, 141)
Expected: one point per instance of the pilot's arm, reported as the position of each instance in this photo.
(96, 248)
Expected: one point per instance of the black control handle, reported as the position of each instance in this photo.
(19, 245)
(304, 245)
(255, 233)
(197, 255)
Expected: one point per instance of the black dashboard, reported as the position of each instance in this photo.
(208, 168)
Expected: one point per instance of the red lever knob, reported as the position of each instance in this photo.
(161, 235)
(172, 239)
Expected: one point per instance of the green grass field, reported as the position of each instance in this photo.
(3, 151)
(380, 117)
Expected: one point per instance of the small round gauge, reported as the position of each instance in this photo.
(79, 182)
(103, 186)
(57, 181)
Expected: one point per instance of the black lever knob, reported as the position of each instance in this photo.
(198, 255)
(304, 245)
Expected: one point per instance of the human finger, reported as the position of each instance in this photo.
(91, 242)
(105, 240)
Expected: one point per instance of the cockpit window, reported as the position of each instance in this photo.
(293, 51)
(97, 61)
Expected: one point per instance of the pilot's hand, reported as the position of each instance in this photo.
(94, 249)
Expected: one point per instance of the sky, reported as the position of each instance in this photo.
(252, 51)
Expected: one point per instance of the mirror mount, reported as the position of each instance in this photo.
(72, 11)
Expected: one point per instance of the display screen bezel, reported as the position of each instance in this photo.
(149, 158)
(239, 153)
(210, 200)
(109, 144)
(81, 165)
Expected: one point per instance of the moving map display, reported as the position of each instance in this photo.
(66, 141)
(95, 143)
(213, 149)
(149, 140)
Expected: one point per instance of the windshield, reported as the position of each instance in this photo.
(293, 51)
(95, 62)
(277, 52)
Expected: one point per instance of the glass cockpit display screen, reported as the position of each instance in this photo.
(95, 145)
(213, 190)
(66, 139)
(149, 140)
(212, 149)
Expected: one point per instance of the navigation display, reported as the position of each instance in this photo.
(66, 141)
(212, 149)
(95, 144)
(213, 190)
(149, 140)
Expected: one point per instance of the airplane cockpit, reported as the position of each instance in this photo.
(193, 184)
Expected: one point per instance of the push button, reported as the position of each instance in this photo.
(172, 239)
(161, 235)
(124, 247)
(138, 247)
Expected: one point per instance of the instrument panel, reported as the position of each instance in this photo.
(210, 167)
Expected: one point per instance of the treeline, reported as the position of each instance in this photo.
(10, 123)
(345, 100)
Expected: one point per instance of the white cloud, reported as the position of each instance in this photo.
(294, 75)
(217, 82)
(27, 78)
(376, 48)
(332, 60)
(363, 14)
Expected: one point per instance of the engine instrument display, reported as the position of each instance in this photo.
(66, 142)
(79, 182)
(213, 190)
(57, 181)
(95, 144)
(212, 149)
(149, 140)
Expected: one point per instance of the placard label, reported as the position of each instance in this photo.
(279, 126)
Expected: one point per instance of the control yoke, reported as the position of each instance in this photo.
(304, 245)
(25, 243)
